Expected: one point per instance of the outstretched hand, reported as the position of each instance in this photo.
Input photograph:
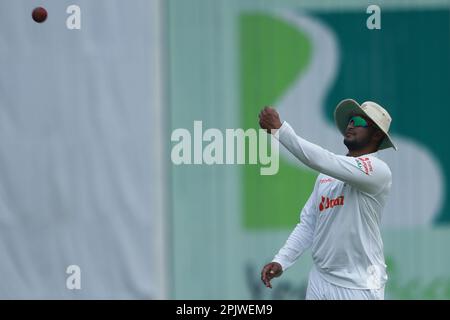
(269, 119)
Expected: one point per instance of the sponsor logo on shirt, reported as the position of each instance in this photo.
(330, 203)
(325, 180)
(364, 164)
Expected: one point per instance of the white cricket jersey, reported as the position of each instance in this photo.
(341, 219)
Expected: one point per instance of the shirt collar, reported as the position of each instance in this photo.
(373, 154)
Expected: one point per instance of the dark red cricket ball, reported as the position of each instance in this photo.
(39, 14)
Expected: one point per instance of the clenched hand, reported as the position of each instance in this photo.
(269, 119)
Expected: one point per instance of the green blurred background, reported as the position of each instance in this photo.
(229, 58)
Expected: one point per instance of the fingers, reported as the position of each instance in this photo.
(267, 274)
(268, 113)
(264, 278)
(265, 118)
(269, 277)
(267, 110)
(263, 275)
(263, 123)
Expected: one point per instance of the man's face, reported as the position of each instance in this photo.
(359, 132)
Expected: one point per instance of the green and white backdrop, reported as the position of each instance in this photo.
(86, 117)
(227, 59)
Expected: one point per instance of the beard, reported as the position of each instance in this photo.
(355, 144)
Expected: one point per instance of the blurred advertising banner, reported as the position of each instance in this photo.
(228, 59)
(81, 151)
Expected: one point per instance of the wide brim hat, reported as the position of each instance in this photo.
(349, 107)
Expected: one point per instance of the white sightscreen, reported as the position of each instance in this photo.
(81, 170)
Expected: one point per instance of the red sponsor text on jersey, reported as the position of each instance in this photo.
(365, 164)
(330, 203)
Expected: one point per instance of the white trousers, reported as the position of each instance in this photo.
(320, 289)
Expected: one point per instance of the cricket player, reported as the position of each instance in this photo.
(341, 219)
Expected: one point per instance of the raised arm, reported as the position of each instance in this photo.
(366, 173)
